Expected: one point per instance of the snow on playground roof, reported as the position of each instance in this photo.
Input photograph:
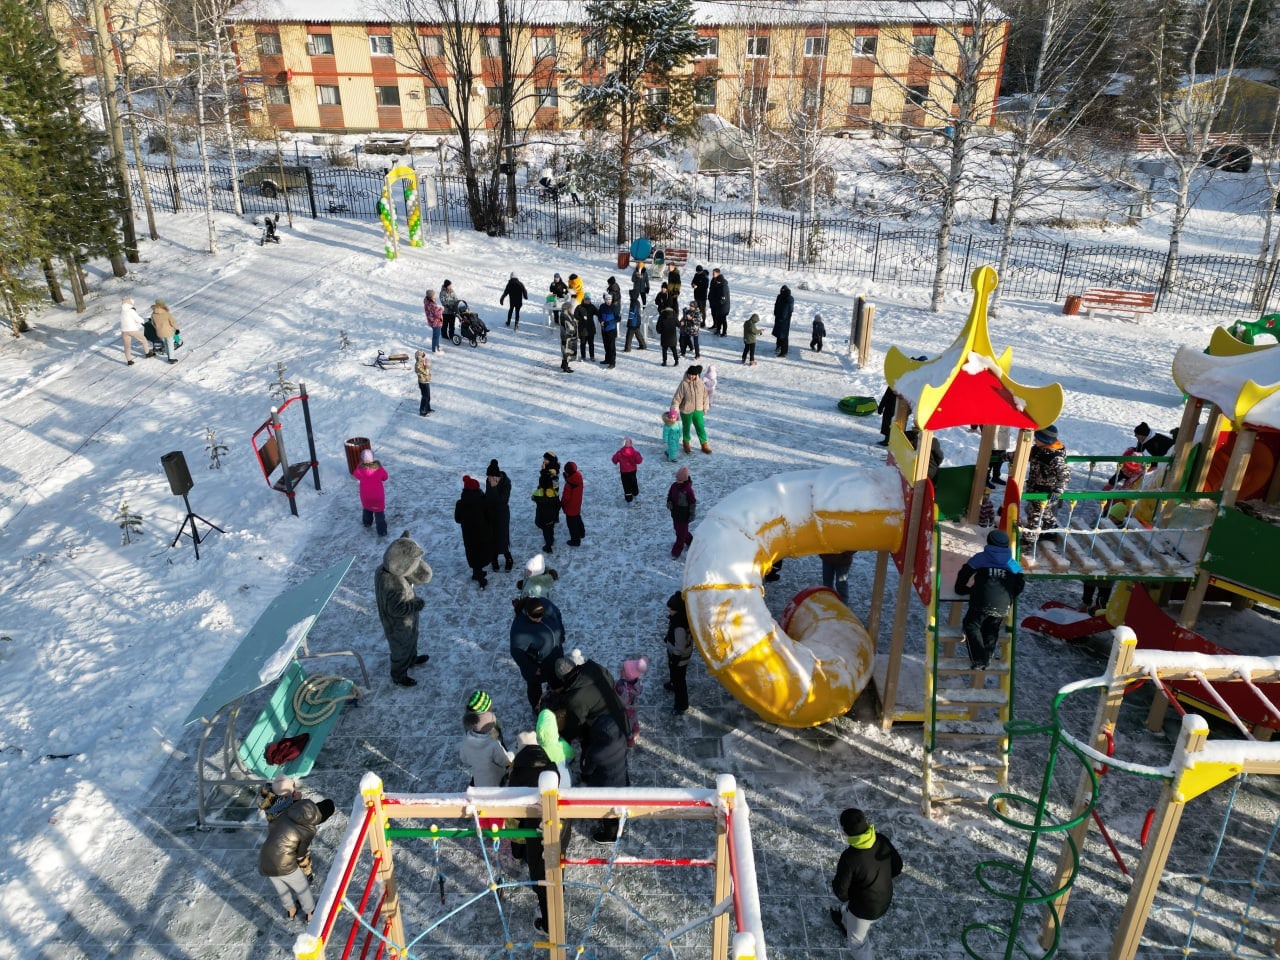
(1242, 380)
(570, 12)
(966, 383)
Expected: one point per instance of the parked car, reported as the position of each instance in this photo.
(266, 177)
(1228, 157)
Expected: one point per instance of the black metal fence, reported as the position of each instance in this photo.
(720, 236)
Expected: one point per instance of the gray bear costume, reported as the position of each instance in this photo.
(398, 607)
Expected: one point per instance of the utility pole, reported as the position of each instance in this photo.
(106, 55)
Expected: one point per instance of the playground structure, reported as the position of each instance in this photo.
(1196, 766)
(367, 889)
(408, 178)
(269, 449)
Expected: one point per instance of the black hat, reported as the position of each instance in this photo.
(1142, 429)
(326, 808)
(853, 822)
(534, 608)
(562, 671)
(493, 470)
(675, 601)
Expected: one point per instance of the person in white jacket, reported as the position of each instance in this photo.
(131, 329)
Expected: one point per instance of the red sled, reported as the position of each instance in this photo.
(1085, 625)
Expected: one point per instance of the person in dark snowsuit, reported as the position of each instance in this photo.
(568, 339)
(1047, 472)
(472, 514)
(609, 331)
(497, 501)
(614, 291)
(398, 607)
(863, 882)
(287, 845)
(819, 333)
(530, 763)
(635, 324)
(718, 300)
(701, 280)
(586, 314)
(536, 642)
(679, 642)
(546, 510)
(782, 308)
(668, 336)
(640, 283)
(683, 506)
(589, 710)
(992, 580)
(516, 292)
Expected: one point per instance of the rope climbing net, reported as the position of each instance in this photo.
(451, 856)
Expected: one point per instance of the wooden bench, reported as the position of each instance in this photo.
(675, 258)
(1117, 301)
(278, 720)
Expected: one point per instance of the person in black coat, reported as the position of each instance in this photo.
(640, 283)
(1151, 444)
(529, 764)
(718, 300)
(589, 710)
(614, 291)
(536, 643)
(546, 509)
(887, 407)
(669, 336)
(701, 280)
(472, 514)
(559, 289)
(497, 500)
(516, 292)
(782, 308)
(996, 582)
(586, 315)
(864, 880)
(287, 844)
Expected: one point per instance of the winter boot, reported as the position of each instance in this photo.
(706, 447)
(687, 447)
(510, 561)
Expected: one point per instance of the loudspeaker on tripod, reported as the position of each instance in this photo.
(175, 468)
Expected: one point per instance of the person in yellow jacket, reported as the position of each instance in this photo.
(165, 326)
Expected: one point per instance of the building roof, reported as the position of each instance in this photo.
(708, 12)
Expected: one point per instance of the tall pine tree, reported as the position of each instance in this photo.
(76, 189)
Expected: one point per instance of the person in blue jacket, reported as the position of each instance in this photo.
(992, 580)
(537, 641)
(609, 331)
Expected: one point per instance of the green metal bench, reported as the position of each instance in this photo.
(278, 720)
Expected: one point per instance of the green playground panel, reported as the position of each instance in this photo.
(951, 490)
(1243, 549)
(278, 720)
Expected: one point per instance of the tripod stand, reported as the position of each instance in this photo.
(195, 536)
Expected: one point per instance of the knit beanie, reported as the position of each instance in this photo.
(853, 822)
(479, 702)
(1142, 429)
(366, 456)
(536, 566)
(1047, 434)
(998, 538)
(682, 474)
(493, 470)
(675, 601)
(470, 483)
(327, 808)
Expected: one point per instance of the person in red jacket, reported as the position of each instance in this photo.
(571, 503)
(628, 458)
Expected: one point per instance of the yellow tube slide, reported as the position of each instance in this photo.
(815, 672)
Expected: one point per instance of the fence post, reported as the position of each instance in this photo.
(875, 255)
(708, 232)
(311, 193)
(1062, 271)
(172, 181)
(1165, 281)
(968, 253)
(791, 240)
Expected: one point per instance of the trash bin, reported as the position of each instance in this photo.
(1071, 306)
(624, 258)
(354, 447)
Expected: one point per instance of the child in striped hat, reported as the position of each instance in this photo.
(482, 748)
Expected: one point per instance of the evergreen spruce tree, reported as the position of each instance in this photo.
(22, 232)
(630, 45)
(41, 109)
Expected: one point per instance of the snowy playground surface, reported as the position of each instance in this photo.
(107, 647)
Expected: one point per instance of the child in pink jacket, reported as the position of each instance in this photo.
(628, 458)
(371, 475)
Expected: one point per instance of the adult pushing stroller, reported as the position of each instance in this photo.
(470, 327)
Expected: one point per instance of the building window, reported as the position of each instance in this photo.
(492, 46)
(544, 48)
(435, 97)
(269, 44)
(811, 99)
(704, 94)
(431, 45)
(916, 96)
(815, 46)
(757, 46)
(548, 98)
(860, 97)
(380, 45)
(86, 46)
(593, 48)
(277, 94)
(710, 47)
(328, 96)
(493, 96)
(922, 46)
(388, 96)
(320, 45)
(657, 96)
(864, 46)
(759, 99)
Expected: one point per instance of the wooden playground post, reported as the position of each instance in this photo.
(549, 792)
(877, 596)
(902, 603)
(727, 792)
(981, 470)
(1104, 721)
(381, 848)
(1208, 442)
(1231, 481)
(1018, 464)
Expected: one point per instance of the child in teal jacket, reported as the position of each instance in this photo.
(671, 433)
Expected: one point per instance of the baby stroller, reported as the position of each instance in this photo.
(470, 327)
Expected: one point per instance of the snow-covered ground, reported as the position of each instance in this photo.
(105, 647)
